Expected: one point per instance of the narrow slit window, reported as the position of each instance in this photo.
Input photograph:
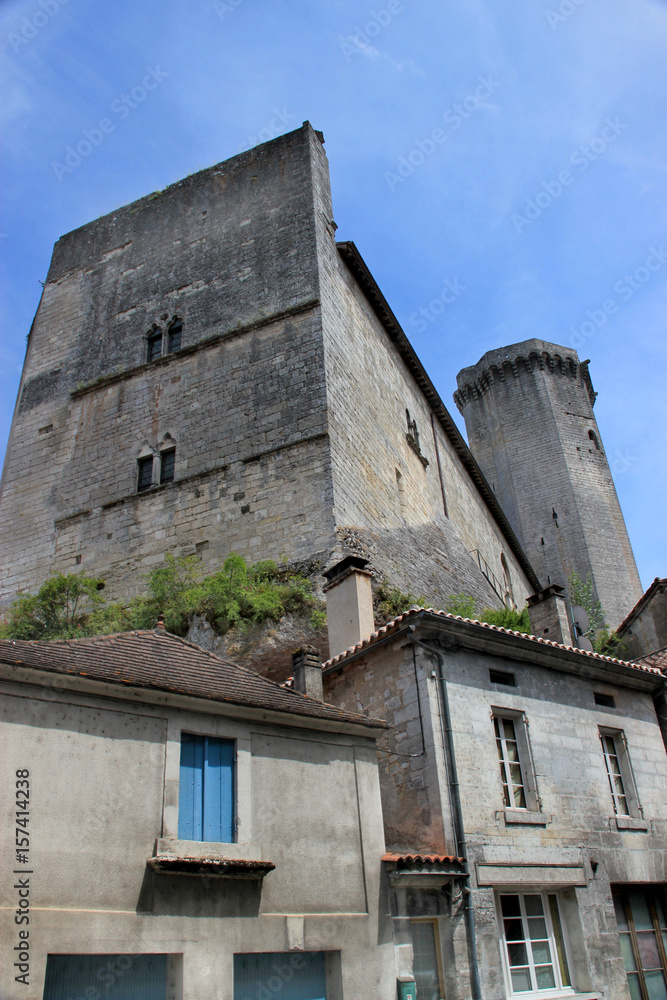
(154, 345)
(594, 438)
(145, 473)
(175, 333)
(167, 463)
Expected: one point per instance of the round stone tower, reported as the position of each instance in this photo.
(528, 410)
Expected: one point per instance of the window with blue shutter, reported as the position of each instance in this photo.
(206, 793)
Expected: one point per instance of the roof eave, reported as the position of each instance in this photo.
(183, 700)
(475, 636)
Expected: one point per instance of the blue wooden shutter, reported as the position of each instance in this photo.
(206, 793)
(282, 976)
(218, 811)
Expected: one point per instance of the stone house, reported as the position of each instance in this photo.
(523, 791)
(179, 827)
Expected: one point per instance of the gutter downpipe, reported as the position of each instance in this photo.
(459, 831)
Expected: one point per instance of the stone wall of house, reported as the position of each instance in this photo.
(529, 415)
(571, 834)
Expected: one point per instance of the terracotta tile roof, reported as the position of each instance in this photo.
(401, 860)
(657, 660)
(158, 660)
(393, 626)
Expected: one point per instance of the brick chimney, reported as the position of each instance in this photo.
(548, 615)
(349, 603)
(307, 672)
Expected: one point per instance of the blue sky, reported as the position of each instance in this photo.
(516, 151)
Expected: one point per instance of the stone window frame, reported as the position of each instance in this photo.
(163, 335)
(154, 336)
(168, 444)
(634, 817)
(531, 813)
(145, 453)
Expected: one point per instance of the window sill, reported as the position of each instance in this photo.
(171, 847)
(525, 817)
(629, 823)
(211, 866)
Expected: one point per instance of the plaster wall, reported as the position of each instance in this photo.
(103, 796)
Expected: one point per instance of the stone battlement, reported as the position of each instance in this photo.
(515, 360)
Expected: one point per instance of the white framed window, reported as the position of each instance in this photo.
(517, 774)
(619, 773)
(535, 954)
(511, 769)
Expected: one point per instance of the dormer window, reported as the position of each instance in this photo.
(154, 344)
(174, 333)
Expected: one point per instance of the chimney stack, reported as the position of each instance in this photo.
(349, 603)
(548, 615)
(307, 672)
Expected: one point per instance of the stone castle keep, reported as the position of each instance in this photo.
(209, 371)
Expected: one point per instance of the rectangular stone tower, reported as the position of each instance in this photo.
(208, 371)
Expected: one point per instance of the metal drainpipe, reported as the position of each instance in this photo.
(459, 831)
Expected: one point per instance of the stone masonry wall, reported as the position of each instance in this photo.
(394, 499)
(573, 787)
(231, 252)
(577, 824)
